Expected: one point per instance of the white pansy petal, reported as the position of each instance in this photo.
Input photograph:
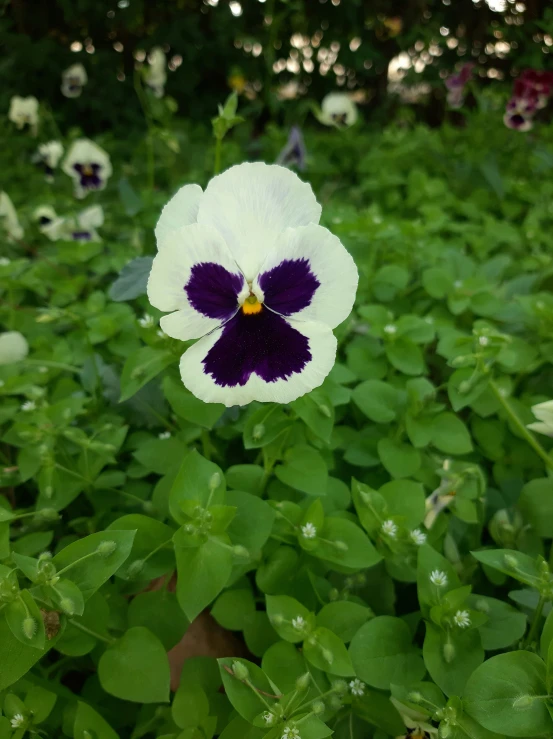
(181, 210)
(194, 274)
(309, 275)
(338, 109)
(226, 354)
(13, 347)
(251, 204)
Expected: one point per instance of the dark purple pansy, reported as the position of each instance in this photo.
(89, 175)
(263, 343)
(289, 287)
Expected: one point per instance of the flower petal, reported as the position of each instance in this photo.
(193, 273)
(260, 357)
(251, 204)
(309, 275)
(181, 210)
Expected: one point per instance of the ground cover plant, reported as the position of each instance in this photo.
(366, 553)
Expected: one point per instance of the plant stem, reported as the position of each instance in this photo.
(90, 632)
(535, 622)
(54, 365)
(217, 163)
(532, 441)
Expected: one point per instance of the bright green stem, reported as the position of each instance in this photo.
(217, 163)
(95, 634)
(261, 698)
(77, 561)
(53, 365)
(532, 441)
(535, 622)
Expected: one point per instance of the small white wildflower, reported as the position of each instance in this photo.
(389, 528)
(309, 530)
(483, 341)
(357, 687)
(290, 732)
(28, 406)
(438, 578)
(418, 537)
(146, 321)
(164, 435)
(299, 623)
(17, 720)
(161, 334)
(462, 619)
(390, 329)
(268, 717)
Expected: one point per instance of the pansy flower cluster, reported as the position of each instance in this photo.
(531, 92)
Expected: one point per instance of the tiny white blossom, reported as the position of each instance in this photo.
(290, 732)
(462, 619)
(28, 406)
(418, 537)
(17, 720)
(298, 623)
(357, 687)
(438, 578)
(389, 528)
(483, 341)
(268, 717)
(161, 334)
(390, 329)
(309, 530)
(147, 321)
(164, 435)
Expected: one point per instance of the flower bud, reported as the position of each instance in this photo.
(318, 707)
(105, 548)
(510, 561)
(523, 702)
(258, 431)
(340, 687)
(135, 568)
(328, 656)
(277, 619)
(444, 731)
(29, 627)
(240, 551)
(415, 697)
(449, 652)
(214, 481)
(48, 514)
(302, 683)
(240, 670)
(324, 410)
(341, 546)
(67, 606)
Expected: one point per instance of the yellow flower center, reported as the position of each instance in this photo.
(87, 170)
(251, 306)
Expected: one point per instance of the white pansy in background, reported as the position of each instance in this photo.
(155, 75)
(13, 347)
(9, 221)
(48, 156)
(544, 413)
(48, 221)
(88, 165)
(417, 723)
(84, 225)
(24, 112)
(73, 79)
(338, 109)
(245, 268)
(81, 227)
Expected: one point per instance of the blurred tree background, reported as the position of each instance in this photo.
(270, 50)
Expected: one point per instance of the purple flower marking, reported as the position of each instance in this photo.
(89, 175)
(261, 343)
(294, 153)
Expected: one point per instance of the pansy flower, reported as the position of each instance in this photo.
(81, 227)
(244, 268)
(24, 112)
(338, 109)
(89, 166)
(294, 153)
(48, 156)
(44, 216)
(534, 83)
(455, 84)
(73, 79)
(84, 225)
(155, 75)
(8, 218)
(519, 113)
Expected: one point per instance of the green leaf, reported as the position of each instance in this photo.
(197, 480)
(377, 400)
(517, 565)
(243, 697)
(451, 657)
(505, 694)
(377, 709)
(88, 567)
(343, 618)
(160, 612)
(132, 281)
(401, 460)
(144, 563)
(187, 406)
(304, 469)
(88, 722)
(265, 425)
(141, 367)
(405, 356)
(327, 652)
(382, 653)
(233, 609)
(202, 573)
(405, 498)
(132, 202)
(136, 668)
(25, 620)
(450, 435)
(536, 505)
(190, 705)
(317, 412)
(253, 521)
(289, 618)
(505, 625)
(358, 553)
(16, 657)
